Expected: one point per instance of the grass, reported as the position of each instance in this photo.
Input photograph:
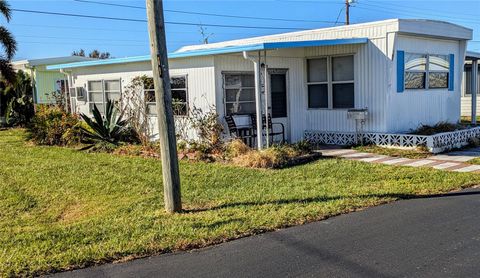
(412, 154)
(467, 120)
(63, 209)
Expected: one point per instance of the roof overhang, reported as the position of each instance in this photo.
(472, 56)
(216, 51)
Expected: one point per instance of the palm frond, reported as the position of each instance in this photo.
(8, 41)
(5, 10)
(6, 70)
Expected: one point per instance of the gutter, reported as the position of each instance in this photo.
(258, 100)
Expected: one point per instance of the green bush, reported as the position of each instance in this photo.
(53, 126)
(105, 132)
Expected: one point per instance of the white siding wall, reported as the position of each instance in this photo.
(199, 72)
(411, 108)
(370, 86)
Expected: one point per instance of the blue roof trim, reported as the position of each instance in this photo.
(215, 51)
(100, 62)
(265, 46)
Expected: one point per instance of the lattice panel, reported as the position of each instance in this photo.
(435, 143)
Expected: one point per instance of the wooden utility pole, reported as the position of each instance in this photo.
(347, 12)
(163, 99)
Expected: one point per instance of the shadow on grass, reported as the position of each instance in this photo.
(396, 196)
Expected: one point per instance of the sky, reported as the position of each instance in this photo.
(46, 35)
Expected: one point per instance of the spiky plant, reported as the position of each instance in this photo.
(104, 130)
(8, 43)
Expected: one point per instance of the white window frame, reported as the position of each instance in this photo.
(225, 88)
(186, 96)
(427, 72)
(104, 93)
(330, 81)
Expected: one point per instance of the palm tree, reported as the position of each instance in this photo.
(9, 45)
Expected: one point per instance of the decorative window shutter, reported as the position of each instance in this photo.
(451, 74)
(400, 71)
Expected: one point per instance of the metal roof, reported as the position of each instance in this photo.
(215, 51)
(472, 55)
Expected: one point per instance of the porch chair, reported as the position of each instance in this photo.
(244, 133)
(271, 133)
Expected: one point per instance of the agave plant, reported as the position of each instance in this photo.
(108, 129)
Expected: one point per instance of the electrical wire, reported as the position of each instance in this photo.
(208, 14)
(166, 22)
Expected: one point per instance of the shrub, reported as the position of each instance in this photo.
(16, 100)
(277, 156)
(303, 147)
(437, 128)
(53, 126)
(474, 142)
(236, 148)
(107, 131)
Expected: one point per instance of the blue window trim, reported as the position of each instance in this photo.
(451, 74)
(400, 71)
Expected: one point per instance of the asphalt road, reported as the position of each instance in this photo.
(428, 237)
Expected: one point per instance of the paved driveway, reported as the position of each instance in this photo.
(428, 237)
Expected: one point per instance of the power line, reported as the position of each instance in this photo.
(407, 12)
(67, 27)
(209, 14)
(425, 9)
(166, 22)
(94, 39)
(77, 44)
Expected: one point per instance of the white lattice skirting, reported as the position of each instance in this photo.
(435, 143)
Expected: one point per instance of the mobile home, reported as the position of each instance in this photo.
(396, 74)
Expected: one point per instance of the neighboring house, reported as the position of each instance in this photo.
(403, 72)
(44, 82)
(467, 84)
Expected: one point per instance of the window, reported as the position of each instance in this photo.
(423, 70)
(330, 82)
(101, 91)
(178, 87)
(278, 85)
(468, 80)
(239, 92)
(415, 71)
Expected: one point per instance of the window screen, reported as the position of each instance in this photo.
(239, 93)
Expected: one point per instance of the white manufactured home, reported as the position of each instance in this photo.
(380, 77)
(471, 69)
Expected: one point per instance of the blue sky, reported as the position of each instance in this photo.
(41, 35)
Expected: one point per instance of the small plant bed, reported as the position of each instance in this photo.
(437, 128)
(416, 153)
(275, 157)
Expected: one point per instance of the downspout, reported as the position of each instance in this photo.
(33, 83)
(258, 99)
(266, 88)
(474, 92)
(67, 100)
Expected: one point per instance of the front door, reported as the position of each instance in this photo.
(278, 101)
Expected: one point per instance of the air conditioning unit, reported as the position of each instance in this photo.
(357, 114)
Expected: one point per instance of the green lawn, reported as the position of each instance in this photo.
(413, 154)
(61, 208)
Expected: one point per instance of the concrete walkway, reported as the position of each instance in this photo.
(453, 161)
